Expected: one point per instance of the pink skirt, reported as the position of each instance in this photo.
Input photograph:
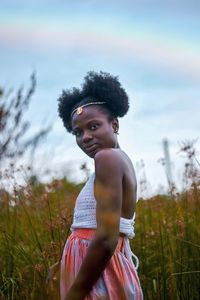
(119, 280)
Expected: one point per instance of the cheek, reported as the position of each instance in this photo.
(78, 142)
(109, 135)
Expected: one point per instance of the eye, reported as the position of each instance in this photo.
(94, 126)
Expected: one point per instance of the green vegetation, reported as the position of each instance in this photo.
(35, 221)
(167, 242)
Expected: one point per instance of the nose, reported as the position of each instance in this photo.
(87, 137)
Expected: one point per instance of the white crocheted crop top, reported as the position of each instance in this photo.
(85, 211)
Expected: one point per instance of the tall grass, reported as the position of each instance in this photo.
(167, 242)
(35, 221)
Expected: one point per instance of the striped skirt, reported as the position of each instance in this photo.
(119, 280)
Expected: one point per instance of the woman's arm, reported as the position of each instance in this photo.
(108, 194)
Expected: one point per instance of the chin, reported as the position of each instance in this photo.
(93, 153)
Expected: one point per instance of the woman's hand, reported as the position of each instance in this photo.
(74, 295)
(78, 296)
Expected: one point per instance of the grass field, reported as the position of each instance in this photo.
(35, 221)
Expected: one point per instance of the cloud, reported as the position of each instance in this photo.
(156, 57)
(156, 53)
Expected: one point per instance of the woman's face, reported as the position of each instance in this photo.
(94, 131)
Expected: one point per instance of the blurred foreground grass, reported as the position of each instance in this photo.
(35, 221)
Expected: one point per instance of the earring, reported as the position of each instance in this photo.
(116, 131)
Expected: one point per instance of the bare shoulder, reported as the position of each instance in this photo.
(109, 157)
(108, 161)
(107, 154)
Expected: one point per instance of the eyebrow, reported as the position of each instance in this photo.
(93, 120)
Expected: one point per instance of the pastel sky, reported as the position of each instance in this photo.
(154, 48)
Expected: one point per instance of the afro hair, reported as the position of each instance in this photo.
(96, 87)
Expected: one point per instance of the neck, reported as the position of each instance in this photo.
(117, 146)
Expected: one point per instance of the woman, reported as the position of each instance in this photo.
(97, 259)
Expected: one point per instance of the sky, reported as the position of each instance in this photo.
(152, 46)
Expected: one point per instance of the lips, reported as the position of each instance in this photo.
(91, 148)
